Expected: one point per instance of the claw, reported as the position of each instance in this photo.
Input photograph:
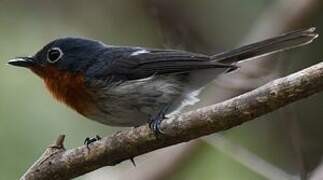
(89, 140)
(154, 122)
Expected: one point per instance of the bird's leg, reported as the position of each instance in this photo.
(90, 140)
(154, 122)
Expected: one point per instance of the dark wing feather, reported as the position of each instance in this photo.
(166, 62)
(130, 66)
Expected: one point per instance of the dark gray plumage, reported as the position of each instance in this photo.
(129, 85)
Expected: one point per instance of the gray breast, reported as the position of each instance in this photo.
(132, 103)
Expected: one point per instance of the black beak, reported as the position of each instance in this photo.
(22, 62)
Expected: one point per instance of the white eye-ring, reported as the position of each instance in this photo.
(54, 55)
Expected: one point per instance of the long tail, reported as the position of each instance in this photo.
(269, 46)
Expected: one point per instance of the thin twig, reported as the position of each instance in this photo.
(248, 159)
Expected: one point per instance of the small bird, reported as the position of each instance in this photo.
(130, 86)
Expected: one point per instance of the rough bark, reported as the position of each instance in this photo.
(58, 163)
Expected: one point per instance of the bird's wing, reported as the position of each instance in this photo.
(137, 63)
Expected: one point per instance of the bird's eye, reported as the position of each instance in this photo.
(54, 55)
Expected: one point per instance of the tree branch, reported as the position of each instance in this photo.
(58, 163)
(178, 29)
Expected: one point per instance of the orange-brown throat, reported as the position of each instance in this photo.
(67, 87)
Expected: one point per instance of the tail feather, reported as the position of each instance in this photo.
(280, 43)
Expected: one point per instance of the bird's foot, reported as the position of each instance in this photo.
(90, 140)
(154, 122)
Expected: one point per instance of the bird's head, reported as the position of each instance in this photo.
(61, 64)
(71, 55)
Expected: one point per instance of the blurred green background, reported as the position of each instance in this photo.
(290, 139)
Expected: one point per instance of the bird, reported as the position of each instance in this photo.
(129, 86)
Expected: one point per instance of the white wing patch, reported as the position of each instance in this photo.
(141, 51)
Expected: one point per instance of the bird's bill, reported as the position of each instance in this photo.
(22, 62)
